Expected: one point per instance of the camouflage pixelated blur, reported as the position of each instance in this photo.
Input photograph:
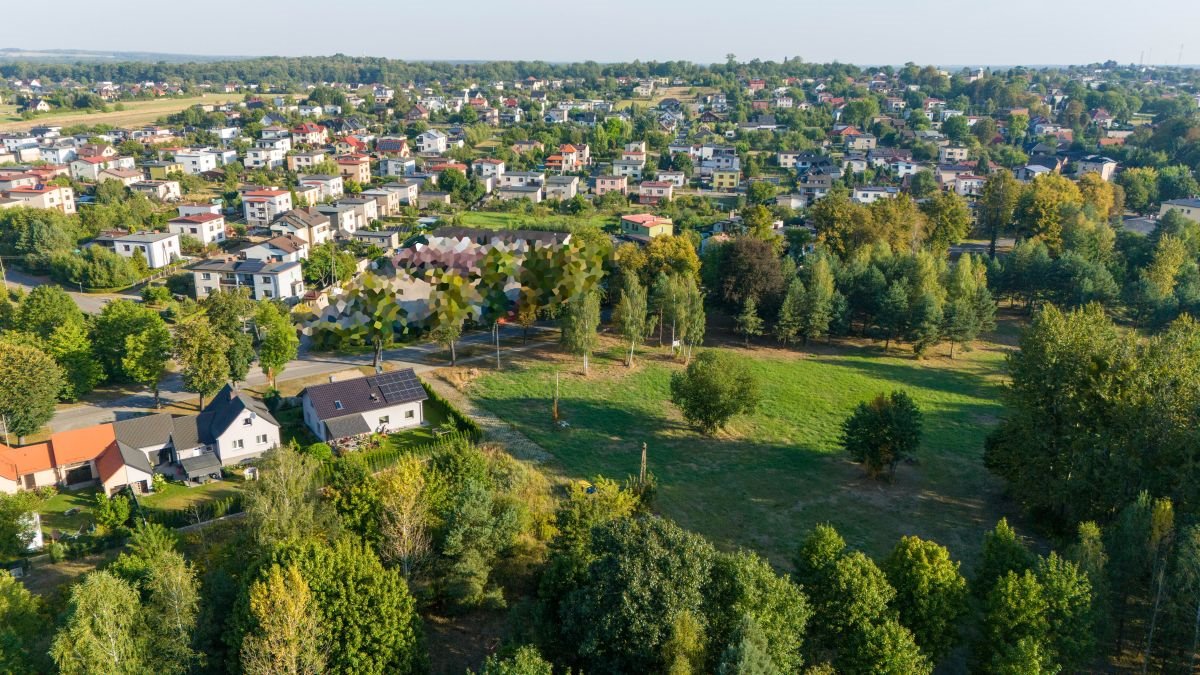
(457, 275)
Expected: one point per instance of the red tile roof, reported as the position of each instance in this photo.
(81, 445)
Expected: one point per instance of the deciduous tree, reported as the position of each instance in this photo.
(713, 388)
(883, 432)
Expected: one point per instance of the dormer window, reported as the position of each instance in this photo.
(337, 405)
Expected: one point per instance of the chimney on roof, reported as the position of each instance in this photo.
(331, 379)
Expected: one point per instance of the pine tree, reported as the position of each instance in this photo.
(749, 323)
(818, 301)
(791, 313)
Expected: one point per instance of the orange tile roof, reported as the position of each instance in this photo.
(81, 445)
(17, 462)
(110, 462)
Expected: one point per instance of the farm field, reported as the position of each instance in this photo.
(135, 112)
(765, 480)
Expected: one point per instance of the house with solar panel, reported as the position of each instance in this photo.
(381, 403)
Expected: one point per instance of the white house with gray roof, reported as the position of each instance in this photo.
(380, 403)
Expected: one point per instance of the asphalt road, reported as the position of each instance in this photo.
(90, 303)
(308, 364)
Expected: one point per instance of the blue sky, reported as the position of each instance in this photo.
(864, 31)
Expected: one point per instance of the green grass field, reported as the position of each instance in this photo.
(493, 220)
(769, 477)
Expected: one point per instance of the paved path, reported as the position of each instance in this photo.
(494, 429)
(90, 303)
(420, 357)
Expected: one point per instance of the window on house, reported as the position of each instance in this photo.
(261, 439)
(337, 405)
(409, 414)
(385, 419)
(248, 421)
(239, 444)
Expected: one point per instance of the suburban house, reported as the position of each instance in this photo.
(162, 190)
(387, 202)
(262, 206)
(628, 168)
(521, 178)
(1188, 208)
(307, 224)
(343, 218)
(870, 194)
(406, 189)
(271, 280)
(488, 166)
(364, 405)
(269, 158)
(432, 141)
(562, 187)
(207, 228)
(309, 133)
(425, 199)
(384, 239)
(606, 184)
(303, 161)
(355, 167)
(397, 166)
(952, 154)
(532, 192)
(126, 177)
(162, 170)
(393, 145)
(284, 248)
(329, 187)
(1097, 164)
(89, 168)
(159, 249)
(654, 192)
(676, 178)
(195, 162)
(646, 226)
(231, 429)
(726, 179)
(40, 196)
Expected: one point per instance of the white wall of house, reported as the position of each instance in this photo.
(126, 475)
(247, 437)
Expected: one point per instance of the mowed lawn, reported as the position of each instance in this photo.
(771, 476)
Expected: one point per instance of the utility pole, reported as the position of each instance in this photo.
(3, 277)
(642, 473)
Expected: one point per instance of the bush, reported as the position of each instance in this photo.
(319, 451)
(56, 551)
(158, 482)
(715, 387)
(111, 512)
(182, 283)
(156, 295)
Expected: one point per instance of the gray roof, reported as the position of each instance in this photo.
(1191, 203)
(363, 394)
(144, 432)
(134, 458)
(185, 434)
(226, 407)
(347, 425)
(200, 465)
